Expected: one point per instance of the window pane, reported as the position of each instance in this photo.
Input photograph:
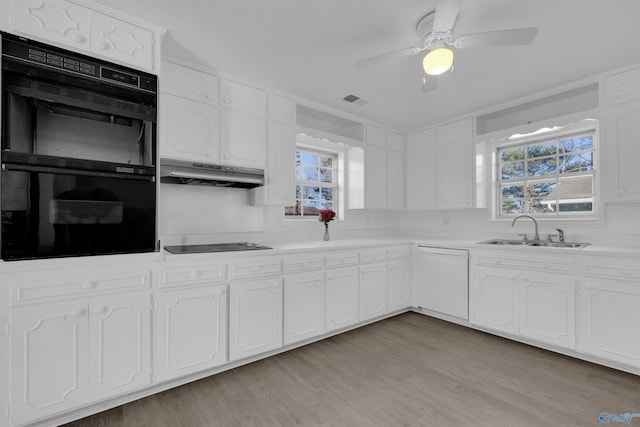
(540, 206)
(513, 170)
(512, 191)
(312, 193)
(573, 205)
(576, 144)
(541, 167)
(541, 150)
(541, 188)
(511, 155)
(576, 162)
(326, 175)
(575, 187)
(309, 174)
(326, 162)
(298, 191)
(327, 194)
(512, 206)
(309, 158)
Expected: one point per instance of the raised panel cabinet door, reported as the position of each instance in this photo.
(192, 330)
(342, 290)
(49, 360)
(373, 291)
(420, 179)
(55, 21)
(609, 319)
(493, 299)
(122, 41)
(245, 99)
(189, 83)
(454, 175)
(281, 165)
(395, 180)
(304, 307)
(621, 152)
(242, 140)
(189, 130)
(399, 286)
(255, 317)
(376, 177)
(120, 344)
(547, 309)
(282, 109)
(622, 87)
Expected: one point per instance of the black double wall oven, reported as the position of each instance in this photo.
(78, 154)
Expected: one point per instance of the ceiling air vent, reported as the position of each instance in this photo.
(353, 99)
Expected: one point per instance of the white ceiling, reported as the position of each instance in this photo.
(308, 48)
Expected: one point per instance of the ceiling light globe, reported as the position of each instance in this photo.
(438, 61)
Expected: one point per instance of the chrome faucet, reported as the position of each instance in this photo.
(535, 223)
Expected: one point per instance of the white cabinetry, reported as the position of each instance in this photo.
(373, 284)
(440, 170)
(304, 306)
(395, 171)
(341, 297)
(255, 317)
(399, 285)
(610, 309)
(93, 29)
(192, 320)
(99, 344)
(621, 148)
(512, 295)
(384, 169)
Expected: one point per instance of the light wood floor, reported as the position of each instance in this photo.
(410, 370)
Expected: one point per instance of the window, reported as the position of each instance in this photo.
(316, 183)
(551, 177)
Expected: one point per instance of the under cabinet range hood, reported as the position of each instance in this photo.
(183, 172)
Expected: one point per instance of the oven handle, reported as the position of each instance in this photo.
(48, 169)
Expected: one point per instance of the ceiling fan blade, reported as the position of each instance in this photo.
(387, 56)
(518, 36)
(446, 14)
(429, 83)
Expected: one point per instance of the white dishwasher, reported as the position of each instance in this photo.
(442, 280)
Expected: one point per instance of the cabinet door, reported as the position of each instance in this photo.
(609, 319)
(493, 299)
(547, 309)
(255, 317)
(189, 83)
(373, 291)
(395, 180)
(49, 353)
(282, 109)
(420, 179)
(376, 177)
(341, 298)
(121, 41)
(192, 330)
(304, 307)
(622, 87)
(281, 165)
(120, 345)
(242, 140)
(55, 21)
(454, 175)
(622, 150)
(399, 289)
(188, 130)
(238, 97)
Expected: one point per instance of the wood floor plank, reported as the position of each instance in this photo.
(410, 370)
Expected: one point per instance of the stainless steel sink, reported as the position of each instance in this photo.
(535, 243)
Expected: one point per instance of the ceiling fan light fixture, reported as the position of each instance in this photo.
(438, 61)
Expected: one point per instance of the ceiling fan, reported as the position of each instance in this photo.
(436, 31)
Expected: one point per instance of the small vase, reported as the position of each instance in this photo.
(326, 232)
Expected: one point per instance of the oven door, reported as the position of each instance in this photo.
(56, 213)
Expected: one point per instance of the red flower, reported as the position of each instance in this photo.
(326, 215)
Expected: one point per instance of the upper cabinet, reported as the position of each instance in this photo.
(384, 169)
(188, 83)
(440, 172)
(245, 99)
(89, 28)
(622, 127)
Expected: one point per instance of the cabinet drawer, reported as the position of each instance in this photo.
(177, 276)
(373, 255)
(242, 98)
(616, 271)
(268, 266)
(398, 252)
(342, 259)
(533, 264)
(303, 263)
(51, 285)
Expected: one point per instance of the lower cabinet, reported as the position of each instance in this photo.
(341, 294)
(66, 355)
(540, 306)
(373, 290)
(399, 285)
(255, 317)
(304, 306)
(192, 330)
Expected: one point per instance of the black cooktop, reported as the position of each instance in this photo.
(214, 247)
